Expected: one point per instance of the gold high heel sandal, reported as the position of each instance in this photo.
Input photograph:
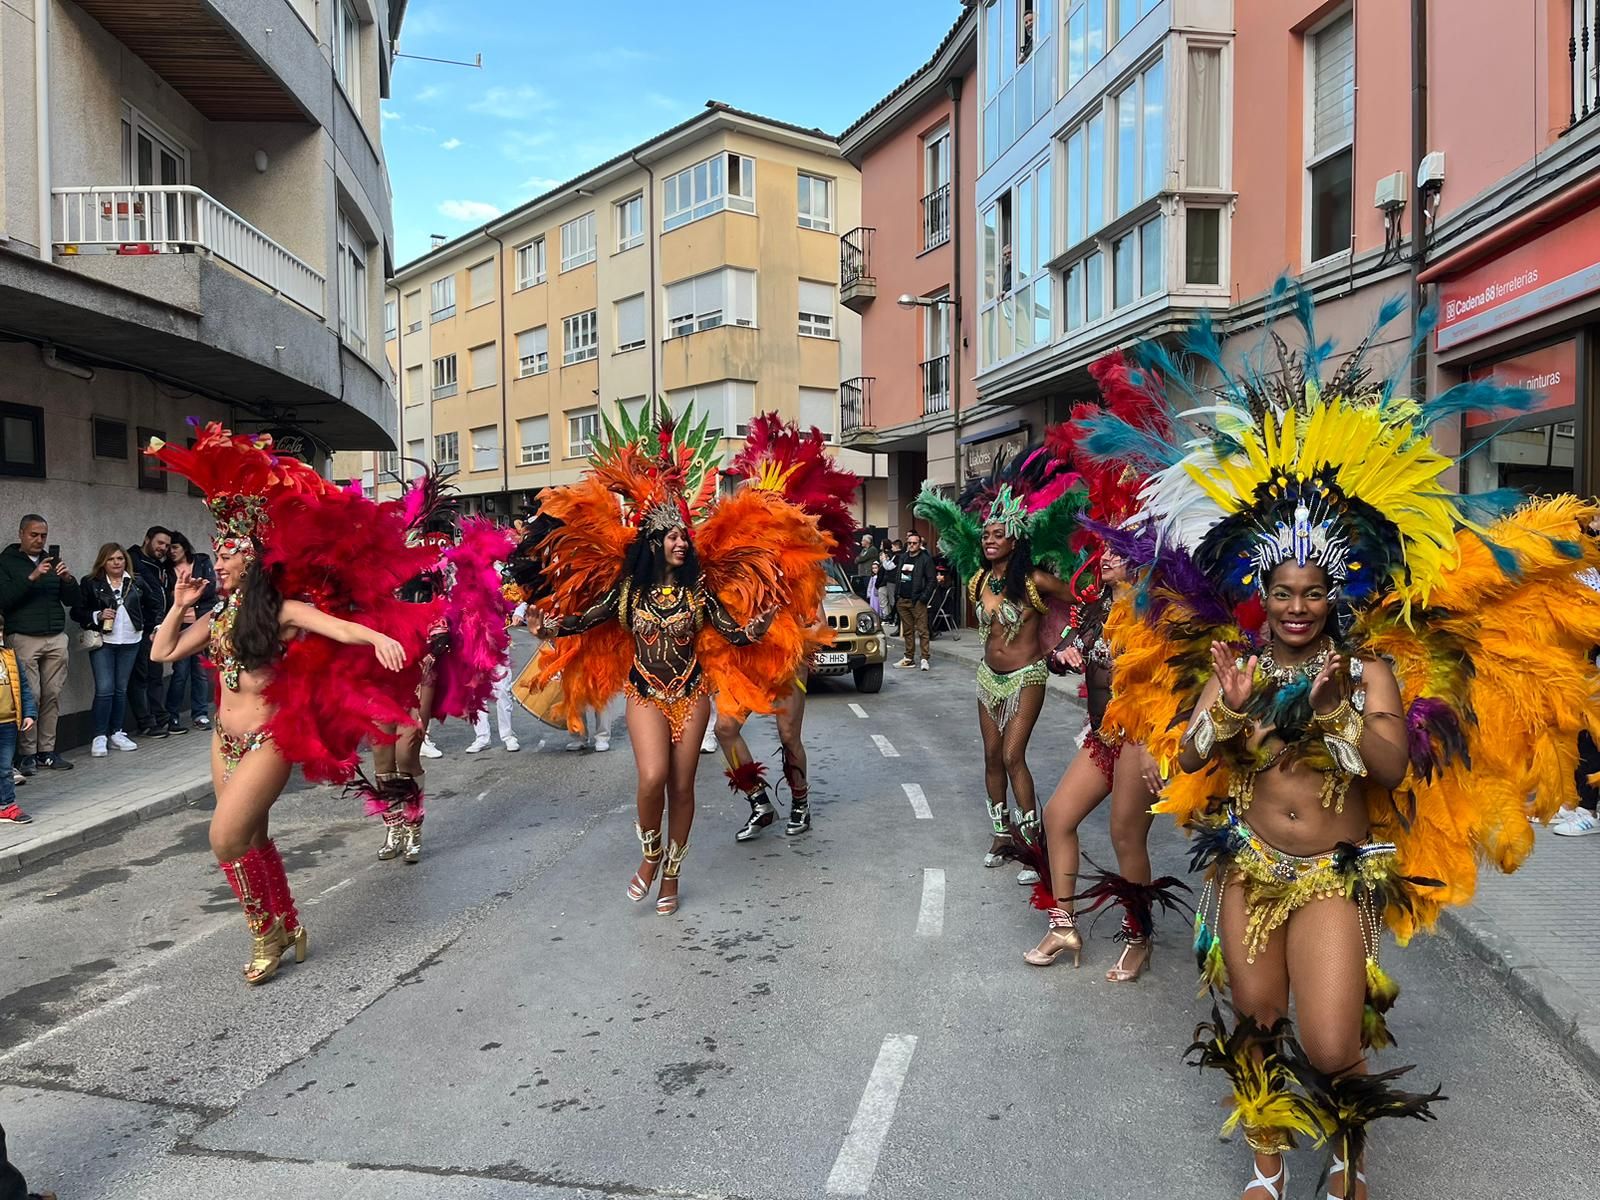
(413, 844)
(1122, 974)
(650, 843)
(267, 949)
(667, 905)
(394, 841)
(1062, 936)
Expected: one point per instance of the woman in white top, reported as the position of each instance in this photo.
(110, 607)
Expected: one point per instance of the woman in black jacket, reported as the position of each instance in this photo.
(110, 604)
(190, 678)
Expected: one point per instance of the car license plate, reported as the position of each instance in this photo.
(829, 658)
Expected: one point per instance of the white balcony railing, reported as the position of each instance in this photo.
(179, 220)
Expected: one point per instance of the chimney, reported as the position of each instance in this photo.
(438, 240)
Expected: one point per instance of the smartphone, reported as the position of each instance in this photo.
(53, 551)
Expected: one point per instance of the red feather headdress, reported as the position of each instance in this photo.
(779, 456)
(666, 477)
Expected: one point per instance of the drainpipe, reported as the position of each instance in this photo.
(1419, 199)
(505, 383)
(953, 90)
(650, 307)
(41, 117)
(399, 377)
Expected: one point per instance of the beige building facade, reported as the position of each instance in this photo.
(701, 267)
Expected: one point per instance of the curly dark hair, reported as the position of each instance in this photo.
(256, 638)
(1019, 570)
(646, 564)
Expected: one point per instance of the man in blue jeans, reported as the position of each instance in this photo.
(17, 715)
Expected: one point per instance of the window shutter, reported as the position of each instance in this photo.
(1333, 86)
(817, 407)
(630, 321)
(485, 370)
(816, 298)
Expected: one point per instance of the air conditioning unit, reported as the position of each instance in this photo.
(1391, 194)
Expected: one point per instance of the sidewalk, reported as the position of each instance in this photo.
(102, 795)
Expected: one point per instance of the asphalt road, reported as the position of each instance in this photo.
(844, 1013)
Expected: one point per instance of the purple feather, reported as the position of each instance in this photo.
(1176, 573)
(1138, 546)
(1433, 735)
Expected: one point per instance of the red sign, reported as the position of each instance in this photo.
(1550, 270)
(1552, 371)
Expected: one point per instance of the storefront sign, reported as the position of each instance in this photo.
(1552, 269)
(982, 456)
(1551, 371)
(296, 443)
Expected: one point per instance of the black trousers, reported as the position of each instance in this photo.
(147, 693)
(12, 1185)
(1588, 764)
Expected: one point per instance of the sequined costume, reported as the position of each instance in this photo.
(1000, 693)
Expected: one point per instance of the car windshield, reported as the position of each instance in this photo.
(838, 585)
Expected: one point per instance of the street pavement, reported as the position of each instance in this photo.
(845, 1013)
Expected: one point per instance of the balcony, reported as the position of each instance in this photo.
(857, 285)
(1583, 55)
(138, 221)
(936, 385)
(936, 218)
(855, 405)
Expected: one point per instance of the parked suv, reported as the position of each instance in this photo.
(858, 643)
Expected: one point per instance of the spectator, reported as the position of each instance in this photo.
(146, 696)
(501, 700)
(35, 589)
(12, 1184)
(864, 561)
(191, 681)
(17, 714)
(112, 608)
(1583, 820)
(912, 596)
(888, 579)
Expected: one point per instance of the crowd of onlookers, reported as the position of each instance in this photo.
(111, 612)
(908, 588)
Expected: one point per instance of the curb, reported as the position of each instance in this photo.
(1559, 1007)
(65, 842)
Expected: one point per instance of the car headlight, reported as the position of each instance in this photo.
(867, 622)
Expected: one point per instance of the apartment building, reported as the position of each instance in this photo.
(194, 222)
(907, 271)
(700, 266)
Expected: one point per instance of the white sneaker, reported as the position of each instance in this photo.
(97, 748)
(577, 744)
(512, 745)
(123, 742)
(1580, 824)
(479, 744)
(1027, 877)
(429, 750)
(602, 743)
(708, 744)
(925, 664)
(1563, 815)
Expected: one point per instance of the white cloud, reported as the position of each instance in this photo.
(468, 210)
(538, 184)
(432, 92)
(390, 115)
(526, 146)
(429, 129)
(450, 143)
(512, 103)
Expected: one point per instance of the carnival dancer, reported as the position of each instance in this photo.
(1010, 536)
(306, 669)
(649, 600)
(1417, 693)
(779, 456)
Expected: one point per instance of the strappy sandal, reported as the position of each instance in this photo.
(1343, 1169)
(667, 905)
(1062, 936)
(1274, 1187)
(650, 843)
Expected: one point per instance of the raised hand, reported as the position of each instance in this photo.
(1235, 682)
(1327, 689)
(186, 589)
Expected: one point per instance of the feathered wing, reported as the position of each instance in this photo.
(1495, 693)
(475, 611)
(958, 533)
(797, 464)
(759, 552)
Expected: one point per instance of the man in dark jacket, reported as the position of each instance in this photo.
(146, 687)
(912, 596)
(34, 591)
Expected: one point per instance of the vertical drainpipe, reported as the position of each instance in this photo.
(399, 378)
(654, 335)
(41, 119)
(505, 381)
(953, 89)
(1419, 148)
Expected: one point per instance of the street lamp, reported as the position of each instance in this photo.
(910, 301)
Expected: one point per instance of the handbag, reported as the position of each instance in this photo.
(91, 639)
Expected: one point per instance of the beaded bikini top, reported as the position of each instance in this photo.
(224, 615)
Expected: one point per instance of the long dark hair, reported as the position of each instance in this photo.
(188, 547)
(256, 638)
(646, 564)
(1019, 570)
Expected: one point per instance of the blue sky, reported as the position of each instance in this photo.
(565, 86)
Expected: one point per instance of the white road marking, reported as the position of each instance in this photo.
(884, 746)
(343, 883)
(930, 918)
(858, 1157)
(858, 710)
(919, 801)
(119, 1001)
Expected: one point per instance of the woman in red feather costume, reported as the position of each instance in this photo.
(669, 610)
(779, 456)
(298, 641)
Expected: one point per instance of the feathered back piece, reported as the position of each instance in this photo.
(665, 476)
(779, 456)
(475, 610)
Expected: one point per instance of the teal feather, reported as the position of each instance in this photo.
(1485, 508)
(1401, 375)
(959, 534)
(1111, 439)
(1565, 548)
(1475, 396)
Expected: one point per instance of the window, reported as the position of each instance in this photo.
(580, 338)
(1086, 37)
(530, 264)
(577, 242)
(480, 283)
(414, 452)
(725, 297)
(728, 406)
(533, 351)
(1331, 72)
(815, 202)
(633, 406)
(110, 438)
(819, 409)
(1202, 245)
(630, 323)
(1094, 287)
(533, 441)
(444, 377)
(630, 223)
(1123, 275)
(447, 450)
(1203, 137)
(414, 311)
(1151, 263)
(442, 298)
(391, 320)
(936, 189)
(388, 463)
(414, 386)
(485, 447)
(583, 430)
(724, 181)
(352, 285)
(347, 51)
(816, 309)
(1017, 246)
(1019, 76)
(152, 476)
(1140, 110)
(485, 366)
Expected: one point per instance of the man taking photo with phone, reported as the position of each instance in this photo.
(35, 590)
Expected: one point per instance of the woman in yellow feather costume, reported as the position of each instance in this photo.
(1414, 697)
(645, 586)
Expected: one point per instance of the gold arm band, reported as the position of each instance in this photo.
(1341, 731)
(1215, 725)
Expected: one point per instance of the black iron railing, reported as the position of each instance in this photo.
(855, 404)
(855, 256)
(1583, 54)
(936, 385)
(936, 217)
